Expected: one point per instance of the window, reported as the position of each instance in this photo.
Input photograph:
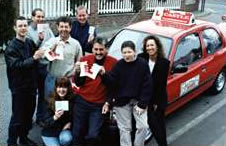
(212, 40)
(188, 50)
(137, 37)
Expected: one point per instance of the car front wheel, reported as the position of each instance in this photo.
(219, 83)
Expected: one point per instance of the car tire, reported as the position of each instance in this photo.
(219, 83)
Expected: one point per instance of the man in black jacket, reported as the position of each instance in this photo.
(21, 59)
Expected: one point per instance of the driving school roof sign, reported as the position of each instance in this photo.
(181, 17)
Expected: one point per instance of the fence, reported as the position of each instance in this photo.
(52, 8)
(114, 6)
(169, 4)
(56, 8)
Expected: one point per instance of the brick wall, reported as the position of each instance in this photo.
(128, 18)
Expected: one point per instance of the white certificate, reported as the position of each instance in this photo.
(90, 72)
(43, 27)
(91, 30)
(62, 105)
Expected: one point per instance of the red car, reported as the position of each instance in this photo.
(195, 48)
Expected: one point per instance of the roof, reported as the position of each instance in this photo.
(165, 28)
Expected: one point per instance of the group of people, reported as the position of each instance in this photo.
(133, 86)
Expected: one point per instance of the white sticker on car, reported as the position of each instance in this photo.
(189, 85)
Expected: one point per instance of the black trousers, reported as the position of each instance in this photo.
(156, 121)
(23, 106)
(41, 92)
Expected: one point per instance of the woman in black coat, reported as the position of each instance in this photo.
(153, 53)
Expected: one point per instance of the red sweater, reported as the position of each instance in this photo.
(94, 90)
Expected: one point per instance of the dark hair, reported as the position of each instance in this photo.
(33, 13)
(81, 8)
(64, 19)
(160, 51)
(61, 82)
(129, 44)
(101, 40)
(19, 18)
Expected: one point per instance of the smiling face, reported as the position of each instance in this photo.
(21, 28)
(38, 18)
(64, 29)
(82, 16)
(61, 91)
(99, 51)
(128, 54)
(151, 48)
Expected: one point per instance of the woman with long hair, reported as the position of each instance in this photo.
(153, 53)
(57, 119)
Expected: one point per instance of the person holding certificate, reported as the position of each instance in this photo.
(56, 130)
(91, 95)
(83, 31)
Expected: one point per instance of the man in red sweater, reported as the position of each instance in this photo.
(90, 96)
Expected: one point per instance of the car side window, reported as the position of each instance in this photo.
(212, 40)
(188, 50)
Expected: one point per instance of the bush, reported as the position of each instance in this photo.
(7, 16)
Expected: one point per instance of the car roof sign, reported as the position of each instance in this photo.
(162, 14)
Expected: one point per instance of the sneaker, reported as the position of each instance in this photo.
(148, 136)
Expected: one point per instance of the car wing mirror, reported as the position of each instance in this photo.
(179, 69)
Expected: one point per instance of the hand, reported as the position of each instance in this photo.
(105, 108)
(77, 67)
(67, 126)
(38, 54)
(102, 70)
(53, 48)
(41, 36)
(155, 107)
(91, 37)
(139, 110)
(58, 114)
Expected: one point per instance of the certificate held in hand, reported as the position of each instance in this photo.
(62, 105)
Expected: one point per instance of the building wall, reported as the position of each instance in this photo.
(128, 18)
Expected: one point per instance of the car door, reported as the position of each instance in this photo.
(188, 54)
(214, 54)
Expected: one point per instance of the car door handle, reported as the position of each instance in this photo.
(203, 68)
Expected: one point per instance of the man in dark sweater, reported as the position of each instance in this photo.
(132, 83)
(21, 58)
(90, 96)
(82, 31)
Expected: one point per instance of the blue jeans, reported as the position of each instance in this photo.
(49, 85)
(65, 138)
(90, 113)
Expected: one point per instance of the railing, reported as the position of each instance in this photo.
(56, 8)
(169, 4)
(114, 6)
(73, 4)
(52, 8)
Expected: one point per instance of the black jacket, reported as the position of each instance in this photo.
(52, 128)
(159, 76)
(21, 67)
(81, 33)
(130, 80)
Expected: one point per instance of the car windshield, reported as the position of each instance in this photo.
(137, 37)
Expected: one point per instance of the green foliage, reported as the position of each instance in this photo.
(7, 16)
